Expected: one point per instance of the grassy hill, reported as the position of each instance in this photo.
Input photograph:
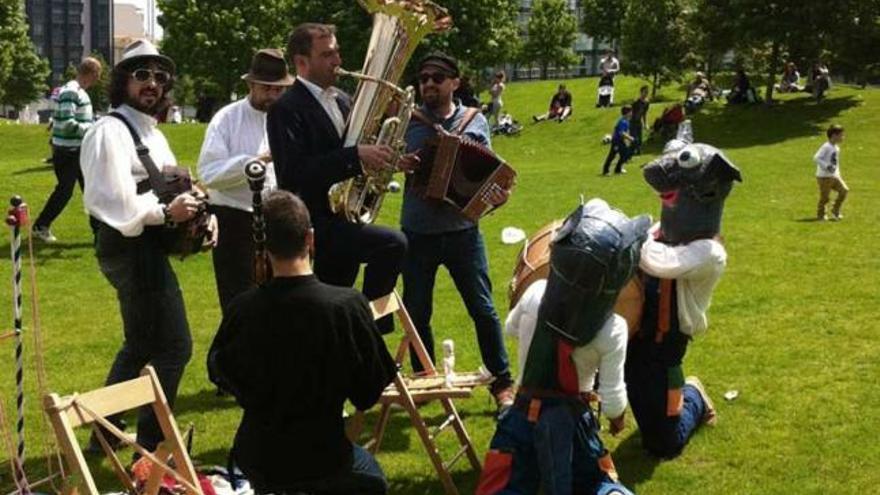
(793, 324)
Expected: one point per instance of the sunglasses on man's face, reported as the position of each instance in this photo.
(437, 77)
(143, 75)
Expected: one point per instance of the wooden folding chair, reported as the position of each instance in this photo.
(93, 408)
(430, 385)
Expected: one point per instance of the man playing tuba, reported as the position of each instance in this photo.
(305, 129)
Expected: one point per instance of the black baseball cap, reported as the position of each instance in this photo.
(439, 60)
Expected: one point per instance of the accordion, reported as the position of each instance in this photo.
(461, 172)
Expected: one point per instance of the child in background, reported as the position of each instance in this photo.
(828, 173)
(620, 143)
(639, 119)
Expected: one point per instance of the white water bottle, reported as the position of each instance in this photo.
(449, 361)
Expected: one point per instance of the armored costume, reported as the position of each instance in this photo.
(681, 263)
(549, 439)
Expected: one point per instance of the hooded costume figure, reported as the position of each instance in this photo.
(681, 262)
(549, 438)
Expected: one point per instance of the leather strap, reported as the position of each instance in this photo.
(157, 183)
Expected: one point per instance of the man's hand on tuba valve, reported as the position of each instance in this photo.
(375, 158)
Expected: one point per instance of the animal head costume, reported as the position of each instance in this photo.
(693, 181)
(593, 256)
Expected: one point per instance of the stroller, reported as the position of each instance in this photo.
(666, 126)
(506, 126)
(605, 93)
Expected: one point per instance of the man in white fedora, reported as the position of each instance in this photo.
(235, 137)
(131, 219)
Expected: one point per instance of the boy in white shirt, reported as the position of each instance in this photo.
(828, 174)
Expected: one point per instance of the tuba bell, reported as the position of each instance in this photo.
(382, 110)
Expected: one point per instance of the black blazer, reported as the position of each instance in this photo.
(306, 149)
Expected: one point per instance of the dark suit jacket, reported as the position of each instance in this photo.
(306, 149)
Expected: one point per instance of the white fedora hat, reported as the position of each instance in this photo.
(142, 50)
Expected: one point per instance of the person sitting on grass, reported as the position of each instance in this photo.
(292, 351)
(789, 82)
(698, 93)
(742, 91)
(620, 143)
(560, 106)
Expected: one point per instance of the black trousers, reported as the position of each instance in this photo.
(341, 247)
(617, 148)
(65, 161)
(234, 254)
(155, 329)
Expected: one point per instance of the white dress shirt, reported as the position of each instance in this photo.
(605, 353)
(696, 266)
(327, 99)
(235, 136)
(111, 170)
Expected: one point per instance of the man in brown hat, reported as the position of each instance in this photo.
(236, 136)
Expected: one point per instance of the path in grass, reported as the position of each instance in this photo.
(792, 325)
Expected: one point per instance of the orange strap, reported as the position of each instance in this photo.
(664, 311)
(534, 410)
(606, 464)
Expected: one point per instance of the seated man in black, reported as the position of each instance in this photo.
(560, 106)
(291, 352)
(742, 91)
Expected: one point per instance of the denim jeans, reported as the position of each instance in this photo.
(464, 256)
(618, 148)
(560, 452)
(364, 478)
(155, 329)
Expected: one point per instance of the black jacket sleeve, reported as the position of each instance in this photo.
(373, 368)
(295, 163)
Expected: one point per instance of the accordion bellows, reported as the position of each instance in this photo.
(462, 172)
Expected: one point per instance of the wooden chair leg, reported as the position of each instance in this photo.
(379, 431)
(463, 438)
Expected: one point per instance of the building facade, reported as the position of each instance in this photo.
(64, 31)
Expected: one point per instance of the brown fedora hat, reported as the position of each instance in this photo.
(268, 67)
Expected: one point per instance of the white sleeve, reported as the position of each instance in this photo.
(110, 191)
(821, 158)
(218, 169)
(523, 317)
(612, 351)
(685, 261)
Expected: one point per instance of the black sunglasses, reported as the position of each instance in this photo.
(437, 77)
(143, 75)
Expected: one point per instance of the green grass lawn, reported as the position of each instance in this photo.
(793, 325)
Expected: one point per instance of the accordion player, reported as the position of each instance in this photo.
(461, 172)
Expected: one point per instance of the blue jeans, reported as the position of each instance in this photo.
(560, 452)
(155, 329)
(464, 256)
(364, 478)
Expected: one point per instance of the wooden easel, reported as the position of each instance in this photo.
(427, 386)
(93, 408)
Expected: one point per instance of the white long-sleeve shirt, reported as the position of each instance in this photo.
(696, 266)
(605, 353)
(235, 136)
(827, 160)
(111, 170)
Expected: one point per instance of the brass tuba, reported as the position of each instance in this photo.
(398, 27)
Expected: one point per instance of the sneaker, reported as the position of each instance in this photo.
(504, 393)
(821, 218)
(535, 119)
(44, 234)
(621, 172)
(836, 217)
(709, 417)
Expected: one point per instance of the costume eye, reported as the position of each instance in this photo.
(689, 157)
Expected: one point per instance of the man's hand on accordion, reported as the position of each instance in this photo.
(496, 195)
(374, 157)
(182, 208)
(409, 162)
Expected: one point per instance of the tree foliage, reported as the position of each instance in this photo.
(855, 45)
(552, 30)
(712, 32)
(603, 19)
(213, 41)
(22, 72)
(655, 40)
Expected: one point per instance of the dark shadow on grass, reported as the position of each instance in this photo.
(34, 170)
(735, 126)
(49, 252)
(465, 481)
(205, 400)
(634, 465)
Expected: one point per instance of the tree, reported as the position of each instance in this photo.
(654, 40)
(603, 19)
(774, 30)
(214, 40)
(854, 45)
(552, 31)
(22, 72)
(712, 30)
